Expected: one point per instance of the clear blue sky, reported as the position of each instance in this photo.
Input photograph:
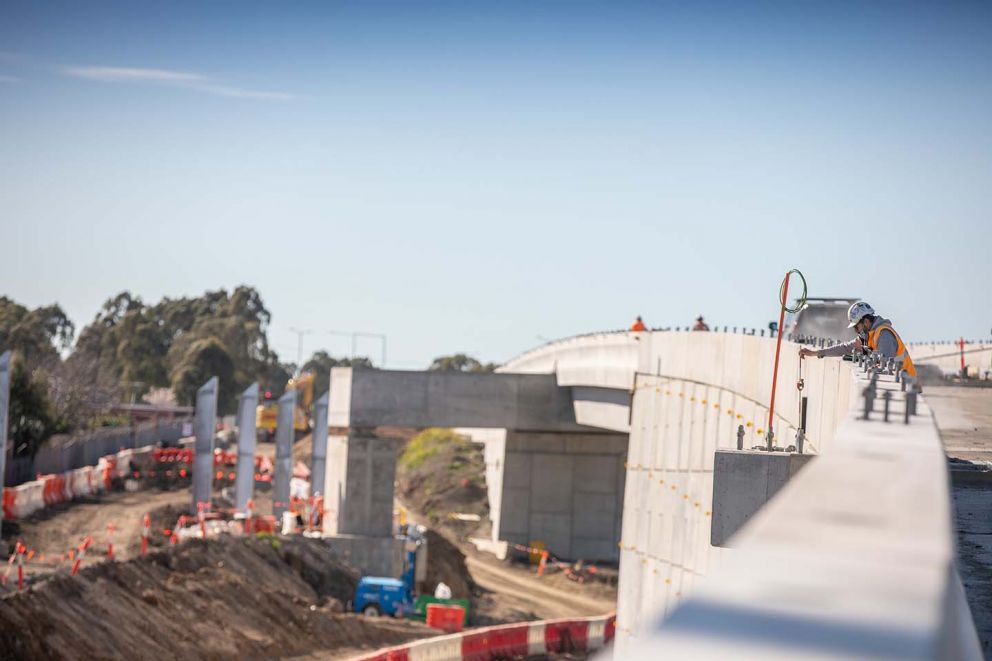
(469, 176)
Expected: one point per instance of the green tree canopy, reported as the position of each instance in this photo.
(460, 362)
(38, 335)
(204, 359)
(320, 364)
(30, 419)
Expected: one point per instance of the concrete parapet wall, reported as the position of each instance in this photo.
(947, 356)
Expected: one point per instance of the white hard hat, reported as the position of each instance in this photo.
(857, 312)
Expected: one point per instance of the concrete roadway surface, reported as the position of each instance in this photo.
(964, 417)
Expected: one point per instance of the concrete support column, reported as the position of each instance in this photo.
(318, 464)
(563, 489)
(284, 454)
(204, 425)
(244, 484)
(360, 472)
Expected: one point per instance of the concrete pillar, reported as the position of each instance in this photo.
(284, 454)
(318, 464)
(4, 408)
(204, 425)
(244, 484)
(360, 472)
(563, 489)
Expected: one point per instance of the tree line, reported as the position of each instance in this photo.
(133, 350)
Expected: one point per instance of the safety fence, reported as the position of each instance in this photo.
(64, 453)
(129, 470)
(507, 641)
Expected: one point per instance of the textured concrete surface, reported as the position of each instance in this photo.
(973, 522)
(362, 398)
(743, 481)
(565, 490)
(372, 556)
(359, 480)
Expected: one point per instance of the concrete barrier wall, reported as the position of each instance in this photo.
(704, 386)
(947, 356)
(853, 558)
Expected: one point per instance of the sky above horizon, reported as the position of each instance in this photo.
(480, 177)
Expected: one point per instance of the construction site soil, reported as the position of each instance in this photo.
(231, 597)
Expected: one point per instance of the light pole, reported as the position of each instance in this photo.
(299, 346)
(354, 335)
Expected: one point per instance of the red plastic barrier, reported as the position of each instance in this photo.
(610, 630)
(496, 643)
(445, 618)
(566, 636)
(9, 502)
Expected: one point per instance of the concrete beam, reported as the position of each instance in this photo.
(285, 434)
(363, 399)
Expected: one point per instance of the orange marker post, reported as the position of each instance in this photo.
(82, 553)
(543, 564)
(778, 350)
(110, 540)
(146, 524)
(20, 549)
(249, 506)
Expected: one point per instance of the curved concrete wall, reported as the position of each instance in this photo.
(853, 558)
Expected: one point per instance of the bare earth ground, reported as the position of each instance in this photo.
(229, 597)
(964, 417)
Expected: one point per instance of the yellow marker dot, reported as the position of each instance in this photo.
(730, 412)
(696, 504)
(716, 406)
(674, 487)
(692, 399)
(661, 481)
(703, 402)
(625, 464)
(685, 496)
(739, 416)
(760, 432)
(708, 512)
(681, 394)
(668, 392)
(748, 425)
(668, 581)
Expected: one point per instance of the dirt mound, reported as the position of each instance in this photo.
(229, 597)
(446, 563)
(440, 472)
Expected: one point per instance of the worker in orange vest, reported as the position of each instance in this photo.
(875, 333)
(638, 325)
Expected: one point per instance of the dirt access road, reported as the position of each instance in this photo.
(56, 530)
(521, 591)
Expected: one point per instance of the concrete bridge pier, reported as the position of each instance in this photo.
(358, 501)
(563, 489)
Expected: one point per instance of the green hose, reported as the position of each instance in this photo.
(802, 299)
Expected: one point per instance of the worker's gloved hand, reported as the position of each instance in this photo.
(804, 352)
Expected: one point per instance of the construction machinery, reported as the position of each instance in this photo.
(267, 412)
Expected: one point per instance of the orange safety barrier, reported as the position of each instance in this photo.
(445, 618)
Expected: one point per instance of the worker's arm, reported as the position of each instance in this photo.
(836, 350)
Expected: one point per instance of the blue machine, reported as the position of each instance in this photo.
(382, 595)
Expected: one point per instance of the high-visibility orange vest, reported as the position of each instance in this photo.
(901, 352)
(638, 326)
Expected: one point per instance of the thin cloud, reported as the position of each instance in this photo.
(9, 79)
(132, 75)
(170, 78)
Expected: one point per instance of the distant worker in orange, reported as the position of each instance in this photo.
(874, 332)
(700, 324)
(638, 325)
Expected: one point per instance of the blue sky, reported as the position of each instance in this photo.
(477, 176)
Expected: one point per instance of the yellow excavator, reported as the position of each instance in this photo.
(267, 412)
